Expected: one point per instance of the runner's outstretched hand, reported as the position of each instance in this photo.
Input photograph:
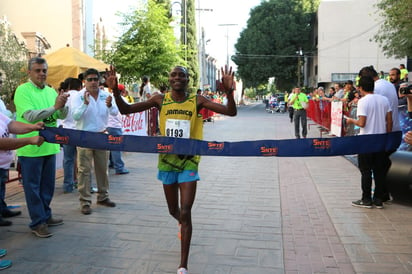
(111, 80)
(228, 79)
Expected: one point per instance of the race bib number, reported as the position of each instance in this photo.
(177, 128)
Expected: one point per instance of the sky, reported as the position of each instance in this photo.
(225, 12)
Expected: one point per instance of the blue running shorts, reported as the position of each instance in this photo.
(172, 177)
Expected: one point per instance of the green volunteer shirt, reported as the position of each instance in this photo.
(301, 98)
(30, 97)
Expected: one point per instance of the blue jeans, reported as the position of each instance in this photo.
(39, 177)
(116, 156)
(4, 177)
(68, 167)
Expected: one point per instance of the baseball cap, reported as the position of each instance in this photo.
(120, 87)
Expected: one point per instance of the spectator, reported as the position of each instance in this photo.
(386, 89)
(8, 126)
(125, 94)
(300, 102)
(339, 92)
(74, 85)
(408, 135)
(91, 109)
(179, 113)
(114, 127)
(395, 79)
(374, 117)
(404, 72)
(3, 108)
(290, 105)
(35, 101)
(330, 94)
(145, 88)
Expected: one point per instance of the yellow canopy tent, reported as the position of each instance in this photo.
(69, 62)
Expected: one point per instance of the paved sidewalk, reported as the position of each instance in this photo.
(251, 215)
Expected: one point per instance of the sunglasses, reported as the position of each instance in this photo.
(92, 79)
(40, 70)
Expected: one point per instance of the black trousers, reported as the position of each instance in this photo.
(375, 164)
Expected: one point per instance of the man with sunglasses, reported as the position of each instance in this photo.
(37, 102)
(91, 109)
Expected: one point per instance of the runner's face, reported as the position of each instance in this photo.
(178, 79)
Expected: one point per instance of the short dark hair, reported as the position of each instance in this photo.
(367, 83)
(398, 71)
(74, 83)
(36, 60)
(91, 71)
(368, 71)
(184, 70)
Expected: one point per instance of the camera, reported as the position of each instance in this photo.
(405, 89)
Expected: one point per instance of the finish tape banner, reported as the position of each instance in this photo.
(281, 148)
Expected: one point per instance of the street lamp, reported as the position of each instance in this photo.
(227, 40)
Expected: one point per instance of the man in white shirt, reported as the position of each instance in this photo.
(374, 117)
(388, 90)
(91, 109)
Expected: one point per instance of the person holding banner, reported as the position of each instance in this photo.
(374, 117)
(37, 102)
(91, 109)
(180, 118)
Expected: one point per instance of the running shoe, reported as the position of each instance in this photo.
(378, 203)
(182, 270)
(6, 264)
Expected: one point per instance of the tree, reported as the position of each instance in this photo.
(268, 47)
(189, 41)
(13, 61)
(147, 47)
(395, 35)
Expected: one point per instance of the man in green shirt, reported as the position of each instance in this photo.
(300, 102)
(37, 102)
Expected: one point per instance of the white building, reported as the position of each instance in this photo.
(345, 42)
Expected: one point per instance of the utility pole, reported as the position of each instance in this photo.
(299, 72)
(183, 23)
(202, 47)
(227, 40)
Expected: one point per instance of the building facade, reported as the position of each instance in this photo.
(344, 42)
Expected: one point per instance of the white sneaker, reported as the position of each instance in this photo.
(182, 270)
